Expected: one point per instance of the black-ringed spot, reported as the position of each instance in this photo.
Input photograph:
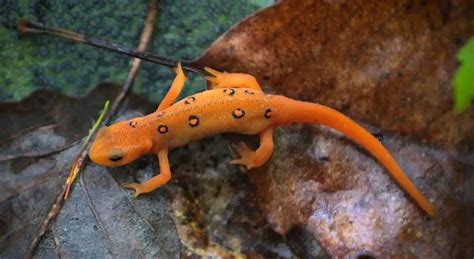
(190, 99)
(132, 124)
(248, 92)
(238, 113)
(268, 113)
(163, 129)
(229, 91)
(193, 121)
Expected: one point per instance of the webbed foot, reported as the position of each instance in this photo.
(136, 187)
(217, 78)
(248, 157)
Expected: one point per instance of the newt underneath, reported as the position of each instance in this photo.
(237, 104)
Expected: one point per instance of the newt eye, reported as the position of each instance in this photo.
(115, 158)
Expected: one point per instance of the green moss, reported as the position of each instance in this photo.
(184, 30)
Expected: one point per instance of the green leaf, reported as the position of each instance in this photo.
(463, 80)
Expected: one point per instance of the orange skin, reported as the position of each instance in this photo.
(236, 104)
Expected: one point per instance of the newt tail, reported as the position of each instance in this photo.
(313, 113)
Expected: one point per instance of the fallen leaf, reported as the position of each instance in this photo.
(37, 142)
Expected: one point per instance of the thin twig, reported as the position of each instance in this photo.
(81, 160)
(26, 26)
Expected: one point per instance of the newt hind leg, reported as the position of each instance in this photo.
(228, 80)
(259, 157)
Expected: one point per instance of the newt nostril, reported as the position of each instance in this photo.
(115, 158)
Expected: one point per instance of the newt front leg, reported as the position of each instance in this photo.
(157, 181)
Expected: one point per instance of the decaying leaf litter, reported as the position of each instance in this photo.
(333, 191)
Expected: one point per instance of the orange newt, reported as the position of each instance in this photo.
(236, 104)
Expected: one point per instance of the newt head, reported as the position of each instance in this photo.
(120, 144)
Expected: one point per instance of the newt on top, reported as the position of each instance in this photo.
(237, 104)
